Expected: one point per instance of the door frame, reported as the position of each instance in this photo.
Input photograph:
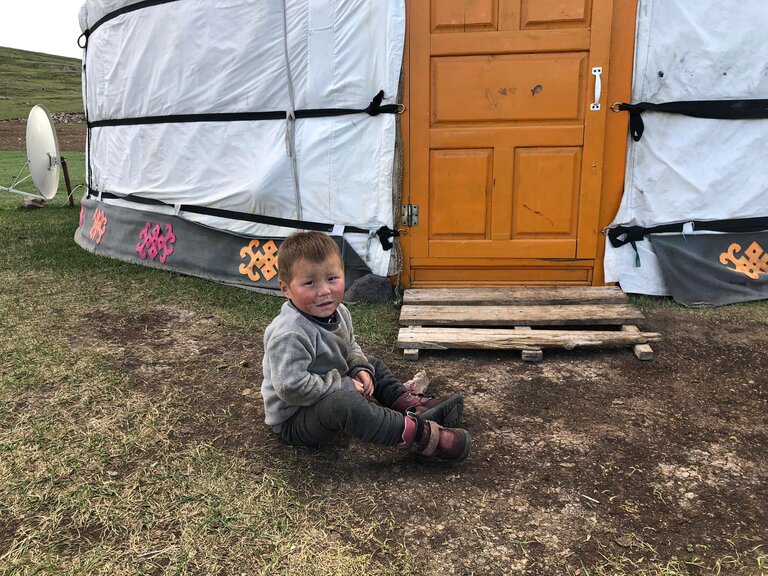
(609, 169)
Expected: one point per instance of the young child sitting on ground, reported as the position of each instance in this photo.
(318, 381)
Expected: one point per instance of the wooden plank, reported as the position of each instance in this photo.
(489, 296)
(534, 315)
(642, 351)
(439, 338)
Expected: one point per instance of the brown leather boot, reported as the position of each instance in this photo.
(430, 439)
(446, 411)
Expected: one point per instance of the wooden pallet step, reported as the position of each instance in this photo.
(505, 318)
(497, 296)
(443, 338)
(533, 315)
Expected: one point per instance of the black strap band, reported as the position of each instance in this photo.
(119, 12)
(373, 109)
(718, 109)
(384, 234)
(621, 235)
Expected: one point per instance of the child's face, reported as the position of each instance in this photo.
(317, 288)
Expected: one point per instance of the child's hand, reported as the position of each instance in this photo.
(366, 382)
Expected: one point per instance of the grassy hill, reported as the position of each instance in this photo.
(29, 78)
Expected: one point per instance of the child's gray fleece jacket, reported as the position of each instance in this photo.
(305, 360)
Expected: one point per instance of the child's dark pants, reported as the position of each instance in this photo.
(350, 412)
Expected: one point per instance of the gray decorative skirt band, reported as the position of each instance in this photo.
(714, 269)
(171, 243)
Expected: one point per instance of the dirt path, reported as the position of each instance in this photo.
(588, 459)
(594, 454)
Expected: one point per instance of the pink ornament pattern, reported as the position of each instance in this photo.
(82, 216)
(99, 226)
(153, 243)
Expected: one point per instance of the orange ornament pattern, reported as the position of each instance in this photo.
(753, 262)
(263, 260)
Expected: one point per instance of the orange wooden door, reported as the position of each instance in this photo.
(505, 142)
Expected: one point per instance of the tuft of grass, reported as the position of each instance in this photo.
(376, 325)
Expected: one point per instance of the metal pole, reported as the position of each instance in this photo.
(67, 182)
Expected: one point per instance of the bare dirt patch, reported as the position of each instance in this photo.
(70, 132)
(589, 459)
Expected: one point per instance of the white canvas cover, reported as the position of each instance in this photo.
(687, 168)
(199, 56)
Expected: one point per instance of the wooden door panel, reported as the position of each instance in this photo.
(546, 192)
(507, 88)
(449, 15)
(459, 199)
(538, 13)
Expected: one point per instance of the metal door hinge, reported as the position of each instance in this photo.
(410, 215)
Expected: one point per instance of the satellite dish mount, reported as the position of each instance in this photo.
(43, 160)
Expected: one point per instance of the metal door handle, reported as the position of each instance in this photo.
(597, 73)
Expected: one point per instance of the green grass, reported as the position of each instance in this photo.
(14, 163)
(98, 471)
(96, 476)
(29, 78)
(92, 483)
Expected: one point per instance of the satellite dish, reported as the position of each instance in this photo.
(43, 158)
(43, 152)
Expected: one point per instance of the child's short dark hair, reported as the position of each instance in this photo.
(315, 247)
